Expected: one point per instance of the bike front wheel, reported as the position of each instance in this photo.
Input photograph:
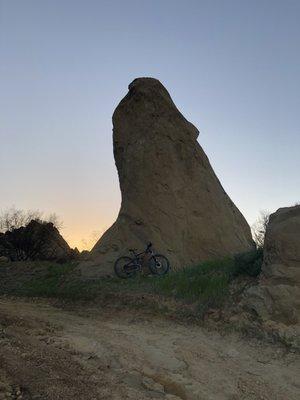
(124, 267)
(159, 264)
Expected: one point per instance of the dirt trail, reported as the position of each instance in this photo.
(50, 353)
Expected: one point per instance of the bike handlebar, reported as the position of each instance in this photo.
(149, 245)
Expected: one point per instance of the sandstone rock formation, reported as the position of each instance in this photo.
(36, 241)
(277, 297)
(170, 193)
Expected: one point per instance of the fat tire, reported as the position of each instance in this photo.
(119, 269)
(153, 268)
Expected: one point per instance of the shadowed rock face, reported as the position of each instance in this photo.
(170, 193)
(277, 297)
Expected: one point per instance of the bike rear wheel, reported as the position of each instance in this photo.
(159, 264)
(125, 268)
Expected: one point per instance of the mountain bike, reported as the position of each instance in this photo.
(127, 267)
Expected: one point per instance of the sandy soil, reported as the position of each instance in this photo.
(87, 353)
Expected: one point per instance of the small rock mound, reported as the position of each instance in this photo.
(170, 193)
(36, 241)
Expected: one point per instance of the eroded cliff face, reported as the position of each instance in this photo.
(170, 193)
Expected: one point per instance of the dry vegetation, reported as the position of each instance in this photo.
(13, 218)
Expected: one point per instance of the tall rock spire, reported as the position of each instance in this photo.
(170, 193)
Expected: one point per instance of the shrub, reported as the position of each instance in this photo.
(259, 228)
(249, 263)
(13, 218)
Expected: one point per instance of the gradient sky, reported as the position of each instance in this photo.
(232, 68)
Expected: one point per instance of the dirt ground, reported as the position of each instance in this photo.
(48, 352)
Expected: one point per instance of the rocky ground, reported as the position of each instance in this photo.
(47, 352)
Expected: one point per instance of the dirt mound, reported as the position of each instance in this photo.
(170, 193)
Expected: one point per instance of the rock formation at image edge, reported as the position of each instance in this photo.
(276, 298)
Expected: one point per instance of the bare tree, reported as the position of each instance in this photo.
(13, 218)
(55, 220)
(259, 228)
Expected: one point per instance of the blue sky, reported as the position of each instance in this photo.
(232, 68)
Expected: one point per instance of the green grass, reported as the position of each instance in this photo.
(203, 286)
(49, 284)
(208, 279)
(58, 281)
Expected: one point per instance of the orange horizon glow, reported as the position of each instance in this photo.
(82, 239)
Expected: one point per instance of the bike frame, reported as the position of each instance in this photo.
(136, 261)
